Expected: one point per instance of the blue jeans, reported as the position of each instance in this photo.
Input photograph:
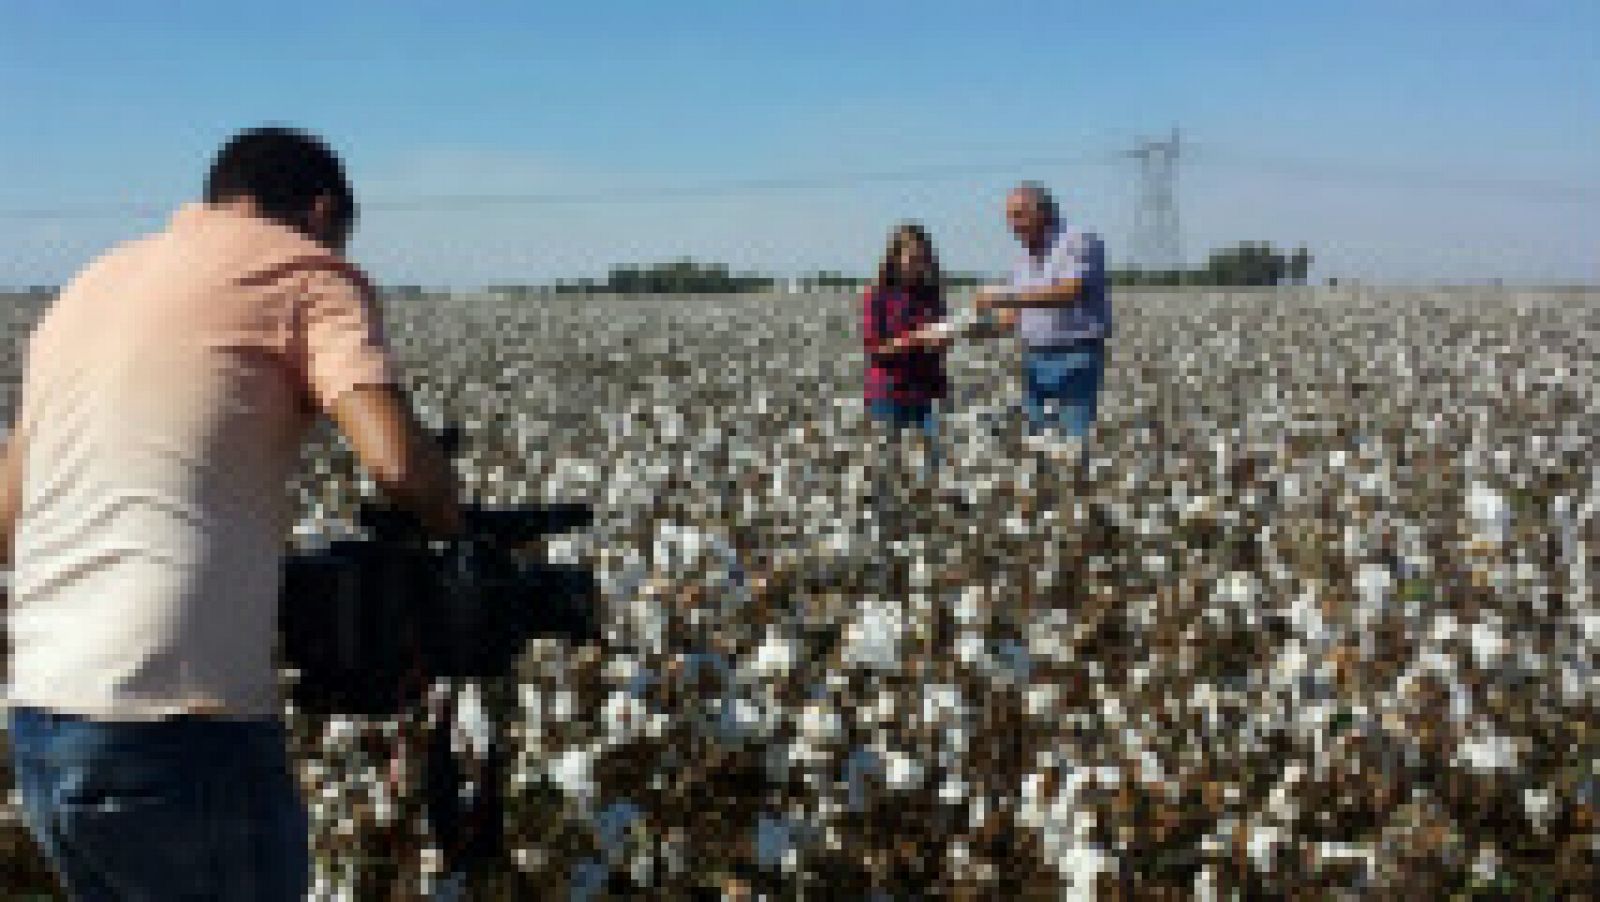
(1062, 387)
(183, 809)
(899, 415)
(902, 415)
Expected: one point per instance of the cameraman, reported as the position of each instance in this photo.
(143, 503)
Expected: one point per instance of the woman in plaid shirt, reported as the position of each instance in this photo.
(905, 365)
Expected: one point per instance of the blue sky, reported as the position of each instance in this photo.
(1382, 135)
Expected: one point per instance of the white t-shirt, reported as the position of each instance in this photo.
(1073, 254)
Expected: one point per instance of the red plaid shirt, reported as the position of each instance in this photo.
(908, 377)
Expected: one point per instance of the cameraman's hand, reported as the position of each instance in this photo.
(436, 497)
(444, 520)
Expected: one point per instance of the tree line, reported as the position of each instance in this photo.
(1248, 263)
(687, 276)
(1244, 264)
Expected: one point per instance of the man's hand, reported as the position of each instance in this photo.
(993, 319)
(989, 297)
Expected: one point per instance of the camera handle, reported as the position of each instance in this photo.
(463, 563)
(427, 738)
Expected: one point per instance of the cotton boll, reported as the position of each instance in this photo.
(953, 791)
(1340, 852)
(573, 772)
(472, 719)
(1373, 586)
(1488, 643)
(774, 658)
(970, 649)
(901, 771)
(874, 638)
(1041, 700)
(746, 718)
(885, 706)
(623, 670)
(1486, 866)
(1292, 664)
(1111, 711)
(1080, 866)
(1443, 628)
(622, 715)
(563, 706)
(1261, 843)
(1490, 513)
(1238, 589)
(1306, 618)
(969, 607)
(1488, 753)
(820, 722)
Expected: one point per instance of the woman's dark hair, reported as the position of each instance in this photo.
(284, 171)
(889, 274)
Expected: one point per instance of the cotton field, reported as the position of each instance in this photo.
(1320, 616)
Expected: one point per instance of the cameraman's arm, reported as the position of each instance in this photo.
(10, 491)
(403, 459)
(350, 375)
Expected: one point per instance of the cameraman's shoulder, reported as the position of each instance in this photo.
(102, 279)
(127, 255)
(329, 279)
(329, 268)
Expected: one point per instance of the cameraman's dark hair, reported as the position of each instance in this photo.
(284, 170)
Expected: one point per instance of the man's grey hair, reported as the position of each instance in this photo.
(1040, 196)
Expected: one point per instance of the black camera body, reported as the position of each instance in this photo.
(369, 624)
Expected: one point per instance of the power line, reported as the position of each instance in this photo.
(1152, 156)
(88, 211)
(725, 188)
(1337, 170)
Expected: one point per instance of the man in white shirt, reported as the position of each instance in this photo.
(1058, 305)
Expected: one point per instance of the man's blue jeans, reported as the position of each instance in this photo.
(1061, 387)
(183, 809)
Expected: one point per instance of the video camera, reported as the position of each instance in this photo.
(369, 624)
